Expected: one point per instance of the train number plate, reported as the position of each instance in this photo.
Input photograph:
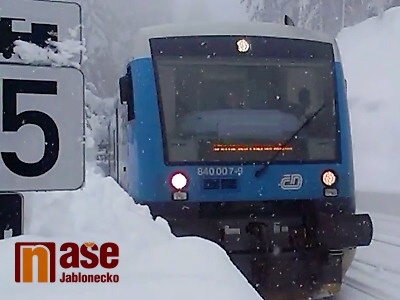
(220, 171)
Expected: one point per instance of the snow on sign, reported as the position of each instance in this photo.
(42, 128)
(44, 24)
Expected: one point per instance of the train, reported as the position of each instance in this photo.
(239, 133)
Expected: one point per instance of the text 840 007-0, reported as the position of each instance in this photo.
(220, 171)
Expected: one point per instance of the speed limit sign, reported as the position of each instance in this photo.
(41, 128)
(42, 107)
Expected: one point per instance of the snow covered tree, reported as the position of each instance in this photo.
(323, 15)
(109, 28)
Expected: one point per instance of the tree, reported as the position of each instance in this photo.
(323, 15)
(109, 28)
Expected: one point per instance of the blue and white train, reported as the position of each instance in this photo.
(239, 133)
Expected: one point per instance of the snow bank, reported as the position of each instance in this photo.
(154, 264)
(208, 11)
(370, 53)
(98, 112)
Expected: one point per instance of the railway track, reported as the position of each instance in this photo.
(362, 289)
(388, 240)
(373, 274)
(395, 272)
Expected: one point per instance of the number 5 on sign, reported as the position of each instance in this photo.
(41, 128)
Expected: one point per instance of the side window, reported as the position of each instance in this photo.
(126, 94)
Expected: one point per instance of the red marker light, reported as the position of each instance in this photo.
(179, 181)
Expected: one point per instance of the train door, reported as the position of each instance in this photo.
(122, 145)
(122, 114)
(110, 151)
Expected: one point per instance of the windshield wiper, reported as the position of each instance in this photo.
(264, 168)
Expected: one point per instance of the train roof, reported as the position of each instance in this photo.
(142, 47)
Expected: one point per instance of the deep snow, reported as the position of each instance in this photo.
(153, 263)
(208, 10)
(156, 265)
(370, 53)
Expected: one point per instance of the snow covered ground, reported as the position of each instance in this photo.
(208, 10)
(375, 273)
(153, 263)
(156, 265)
(370, 53)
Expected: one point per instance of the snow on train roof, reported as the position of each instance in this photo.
(142, 48)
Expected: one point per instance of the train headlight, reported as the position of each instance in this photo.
(179, 181)
(243, 45)
(328, 178)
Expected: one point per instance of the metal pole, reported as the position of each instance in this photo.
(117, 143)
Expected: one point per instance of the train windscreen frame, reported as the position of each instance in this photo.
(231, 99)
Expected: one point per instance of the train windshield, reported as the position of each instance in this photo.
(225, 99)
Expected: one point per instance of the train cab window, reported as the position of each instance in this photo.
(126, 94)
(220, 105)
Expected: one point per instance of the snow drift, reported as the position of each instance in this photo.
(370, 53)
(185, 11)
(153, 263)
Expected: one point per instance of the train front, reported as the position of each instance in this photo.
(247, 143)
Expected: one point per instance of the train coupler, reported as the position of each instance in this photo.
(291, 275)
(278, 256)
(342, 231)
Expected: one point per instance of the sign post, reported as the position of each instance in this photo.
(42, 124)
